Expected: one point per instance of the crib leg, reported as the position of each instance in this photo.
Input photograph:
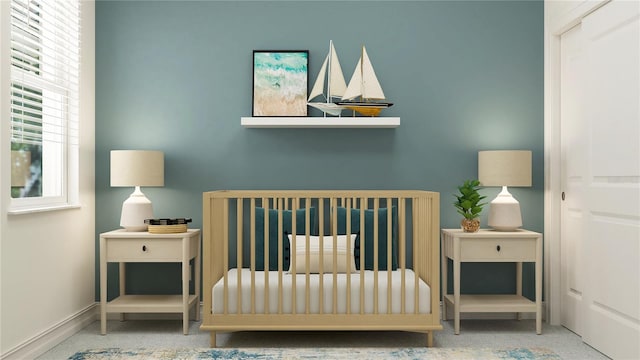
(212, 341)
(429, 338)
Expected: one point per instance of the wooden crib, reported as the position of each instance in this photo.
(298, 260)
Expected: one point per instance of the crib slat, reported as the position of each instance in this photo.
(416, 249)
(293, 259)
(402, 248)
(321, 255)
(389, 240)
(349, 257)
(434, 243)
(266, 248)
(225, 252)
(280, 252)
(253, 255)
(363, 204)
(239, 214)
(376, 208)
(334, 231)
(426, 251)
(307, 257)
(429, 230)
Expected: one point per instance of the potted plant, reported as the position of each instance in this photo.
(468, 205)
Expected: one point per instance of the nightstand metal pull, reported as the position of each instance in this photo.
(498, 247)
(144, 247)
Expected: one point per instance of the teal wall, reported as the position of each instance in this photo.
(177, 76)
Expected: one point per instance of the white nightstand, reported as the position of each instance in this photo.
(122, 247)
(491, 246)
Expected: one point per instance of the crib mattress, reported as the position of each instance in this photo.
(424, 294)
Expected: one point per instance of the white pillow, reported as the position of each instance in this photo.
(342, 249)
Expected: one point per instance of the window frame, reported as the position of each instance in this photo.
(64, 172)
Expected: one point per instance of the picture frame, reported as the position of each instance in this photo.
(280, 82)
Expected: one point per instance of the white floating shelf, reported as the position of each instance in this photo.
(320, 122)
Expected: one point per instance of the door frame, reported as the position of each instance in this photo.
(559, 16)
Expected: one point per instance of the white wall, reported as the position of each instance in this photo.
(47, 259)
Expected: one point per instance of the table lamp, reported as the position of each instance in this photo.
(504, 168)
(136, 168)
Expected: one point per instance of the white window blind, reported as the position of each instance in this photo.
(44, 95)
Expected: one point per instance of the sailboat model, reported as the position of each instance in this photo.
(365, 85)
(334, 81)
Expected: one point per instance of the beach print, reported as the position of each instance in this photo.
(280, 83)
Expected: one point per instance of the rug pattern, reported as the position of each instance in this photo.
(320, 353)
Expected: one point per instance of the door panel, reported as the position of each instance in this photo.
(612, 243)
(611, 33)
(573, 85)
(610, 284)
(600, 145)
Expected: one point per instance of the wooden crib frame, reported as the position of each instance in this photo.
(418, 214)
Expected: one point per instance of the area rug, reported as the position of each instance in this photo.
(319, 353)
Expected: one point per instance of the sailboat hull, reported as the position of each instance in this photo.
(328, 108)
(365, 108)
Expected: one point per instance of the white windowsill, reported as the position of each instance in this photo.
(38, 209)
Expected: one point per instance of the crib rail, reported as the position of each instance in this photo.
(241, 226)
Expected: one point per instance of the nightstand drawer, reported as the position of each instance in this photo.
(144, 250)
(498, 250)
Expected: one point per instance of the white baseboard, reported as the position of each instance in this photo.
(47, 339)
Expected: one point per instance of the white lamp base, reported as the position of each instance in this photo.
(504, 212)
(135, 210)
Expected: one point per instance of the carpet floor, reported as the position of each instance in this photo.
(313, 354)
(479, 339)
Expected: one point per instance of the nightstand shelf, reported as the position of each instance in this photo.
(149, 303)
(491, 246)
(494, 303)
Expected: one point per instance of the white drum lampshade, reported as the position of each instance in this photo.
(504, 168)
(136, 168)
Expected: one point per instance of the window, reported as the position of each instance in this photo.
(44, 103)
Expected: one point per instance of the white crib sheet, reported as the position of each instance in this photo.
(314, 292)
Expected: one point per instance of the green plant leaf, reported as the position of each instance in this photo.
(468, 201)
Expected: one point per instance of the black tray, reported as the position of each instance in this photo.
(175, 221)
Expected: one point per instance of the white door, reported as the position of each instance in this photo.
(573, 83)
(601, 156)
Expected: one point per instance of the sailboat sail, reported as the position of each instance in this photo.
(371, 88)
(364, 82)
(335, 84)
(365, 85)
(336, 78)
(318, 86)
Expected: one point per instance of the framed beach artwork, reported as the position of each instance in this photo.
(280, 82)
